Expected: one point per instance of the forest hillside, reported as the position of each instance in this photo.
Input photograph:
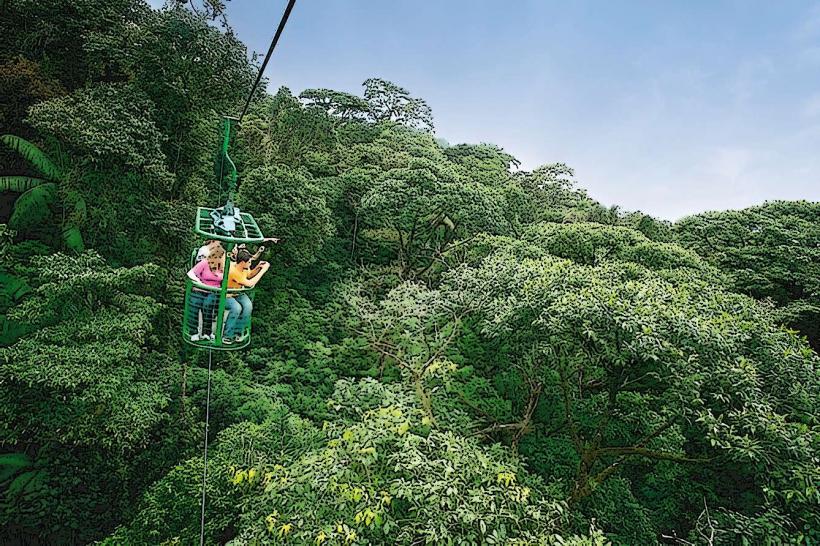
(448, 349)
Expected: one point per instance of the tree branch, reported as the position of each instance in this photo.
(649, 453)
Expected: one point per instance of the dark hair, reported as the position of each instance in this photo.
(243, 255)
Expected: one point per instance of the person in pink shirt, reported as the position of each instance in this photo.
(208, 272)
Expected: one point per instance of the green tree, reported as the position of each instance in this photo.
(770, 252)
(23, 84)
(622, 366)
(375, 474)
(452, 350)
(192, 72)
(40, 197)
(338, 104)
(389, 102)
(56, 34)
(483, 163)
(279, 129)
(596, 244)
(85, 396)
(547, 193)
(288, 204)
(117, 167)
(418, 204)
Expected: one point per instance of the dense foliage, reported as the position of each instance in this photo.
(770, 252)
(448, 349)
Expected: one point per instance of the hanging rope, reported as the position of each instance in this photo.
(205, 470)
(273, 43)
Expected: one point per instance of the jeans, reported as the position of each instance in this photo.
(239, 315)
(205, 302)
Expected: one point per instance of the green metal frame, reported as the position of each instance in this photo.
(226, 140)
(223, 290)
(247, 230)
(217, 343)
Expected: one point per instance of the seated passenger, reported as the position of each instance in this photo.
(239, 305)
(208, 272)
(205, 250)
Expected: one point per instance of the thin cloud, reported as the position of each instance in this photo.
(809, 28)
(811, 108)
(752, 75)
(730, 164)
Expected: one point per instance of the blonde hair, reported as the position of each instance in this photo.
(216, 256)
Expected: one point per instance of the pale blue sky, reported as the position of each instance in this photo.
(667, 107)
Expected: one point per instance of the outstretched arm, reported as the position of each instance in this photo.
(258, 254)
(255, 276)
(262, 249)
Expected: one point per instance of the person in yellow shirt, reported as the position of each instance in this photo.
(239, 305)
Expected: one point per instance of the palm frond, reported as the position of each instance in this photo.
(73, 238)
(33, 155)
(19, 184)
(25, 483)
(32, 208)
(79, 210)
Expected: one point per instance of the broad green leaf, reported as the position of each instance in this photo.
(14, 460)
(33, 155)
(72, 238)
(19, 184)
(21, 483)
(32, 207)
(10, 468)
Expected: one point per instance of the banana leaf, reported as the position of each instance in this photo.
(33, 155)
(12, 463)
(25, 483)
(19, 184)
(72, 237)
(32, 208)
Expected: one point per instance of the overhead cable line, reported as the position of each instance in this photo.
(273, 43)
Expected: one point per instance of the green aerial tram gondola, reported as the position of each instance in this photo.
(207, 323)
(206, 312)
